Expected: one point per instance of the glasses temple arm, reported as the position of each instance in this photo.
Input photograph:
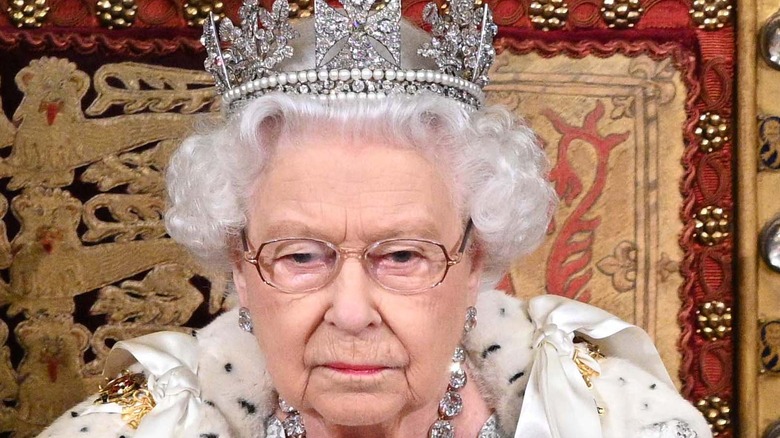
(244, 242)
(465, 241)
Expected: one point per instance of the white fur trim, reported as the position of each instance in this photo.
(240, 396)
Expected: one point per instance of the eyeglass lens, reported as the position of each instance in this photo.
(298, 265)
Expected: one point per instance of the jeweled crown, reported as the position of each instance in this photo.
(357, 52)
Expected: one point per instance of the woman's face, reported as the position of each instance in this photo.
(354, 353)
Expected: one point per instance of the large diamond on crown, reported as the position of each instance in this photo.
(357, 37)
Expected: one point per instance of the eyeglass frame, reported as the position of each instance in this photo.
(345, 253)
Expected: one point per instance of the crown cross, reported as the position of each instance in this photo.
(358, 39)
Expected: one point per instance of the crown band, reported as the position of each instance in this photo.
(343, 84)
(357, 53)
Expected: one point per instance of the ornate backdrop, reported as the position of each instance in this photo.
(632, 100)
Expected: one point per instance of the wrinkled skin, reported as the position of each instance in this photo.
(353, 195)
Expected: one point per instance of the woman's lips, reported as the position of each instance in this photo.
(355, 369)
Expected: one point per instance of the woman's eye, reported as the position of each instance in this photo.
(401, 256)
(302, 258)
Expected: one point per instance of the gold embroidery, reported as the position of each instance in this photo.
(54, 136)
(85, 200)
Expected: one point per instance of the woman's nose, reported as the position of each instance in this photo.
(353, 307)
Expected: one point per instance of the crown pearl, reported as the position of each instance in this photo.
(322, 75)
(311, 75)
(401, 76)
(437, 77)
(390, 75)
(263, 83)
(366, 74)
(343, 75)
(351, 96)
(282, 78)
(272, 81)
(354, 74)
(378, 74)
(292, 78)
(333, 75)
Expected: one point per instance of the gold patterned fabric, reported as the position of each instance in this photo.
(88, 262)
(88, 121)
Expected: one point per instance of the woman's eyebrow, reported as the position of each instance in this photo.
(411, 228)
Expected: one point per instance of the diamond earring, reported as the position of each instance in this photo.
(245, 320)
(471, 319)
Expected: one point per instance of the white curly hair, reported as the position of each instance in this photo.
(498, 171)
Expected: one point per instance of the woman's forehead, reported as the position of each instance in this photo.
(374, 189)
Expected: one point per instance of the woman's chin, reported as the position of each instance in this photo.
(354, 410)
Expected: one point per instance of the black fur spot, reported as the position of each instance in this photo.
(208, 435)
(84, 429)
(516, 376)
(74, 414)
(622, 381)
(653, 386)
(228, 367)
(209, 402)
(502, 311)
(491, 349)
(250, 408)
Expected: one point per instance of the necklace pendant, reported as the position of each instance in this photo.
(293, 426)
(442, 429)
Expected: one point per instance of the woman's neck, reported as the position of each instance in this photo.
(414, 425)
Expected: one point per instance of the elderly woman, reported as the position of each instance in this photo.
(365, 225)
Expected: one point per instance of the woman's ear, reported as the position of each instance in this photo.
(239, 280)
(477, 266)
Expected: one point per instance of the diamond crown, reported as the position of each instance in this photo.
(357, 52)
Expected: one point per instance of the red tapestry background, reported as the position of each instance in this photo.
(85, 134)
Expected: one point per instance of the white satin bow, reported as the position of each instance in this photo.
(170, 361)
(558, 402)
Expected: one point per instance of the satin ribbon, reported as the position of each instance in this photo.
(170, 361)
(558, 402)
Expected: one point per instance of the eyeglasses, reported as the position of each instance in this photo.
(299, 265)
